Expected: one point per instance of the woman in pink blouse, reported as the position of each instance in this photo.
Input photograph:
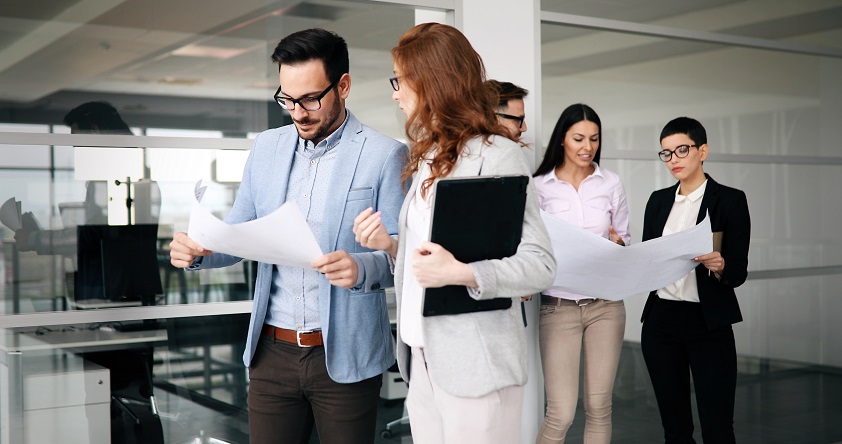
(574, 188)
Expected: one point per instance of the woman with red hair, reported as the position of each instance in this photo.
(466, 372)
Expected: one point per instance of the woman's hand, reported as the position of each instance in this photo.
(614, 237)
(712, 261)
(370, 232)
(436, 267)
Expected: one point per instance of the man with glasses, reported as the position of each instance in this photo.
(510, 108)
(319, 338)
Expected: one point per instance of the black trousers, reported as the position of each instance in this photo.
(290, 388)
(674, 340)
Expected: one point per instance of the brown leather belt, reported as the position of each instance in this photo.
(552, 300)
(300, 338)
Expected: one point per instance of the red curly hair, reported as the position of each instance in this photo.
(452, 106)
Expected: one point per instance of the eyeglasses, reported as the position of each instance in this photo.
(308, 103)
(681, 151)
(395, 85)
(518, 119)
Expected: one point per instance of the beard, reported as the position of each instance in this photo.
(321, 131)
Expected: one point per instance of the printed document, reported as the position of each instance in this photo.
(593, 266)
(281, 237)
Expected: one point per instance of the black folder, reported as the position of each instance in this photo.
(475, 219)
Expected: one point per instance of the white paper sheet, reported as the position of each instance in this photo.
(593, 266)
(281, 237)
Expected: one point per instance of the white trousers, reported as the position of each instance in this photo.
(436, 417)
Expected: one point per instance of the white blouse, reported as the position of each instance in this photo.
(685, 211)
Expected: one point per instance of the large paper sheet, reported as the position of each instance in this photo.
(593, 266)
(281, 237)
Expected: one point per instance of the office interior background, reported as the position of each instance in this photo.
(194, 81)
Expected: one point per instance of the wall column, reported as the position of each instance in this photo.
(507, 34)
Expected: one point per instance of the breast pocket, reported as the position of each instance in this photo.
(557, 207)
(360, 194)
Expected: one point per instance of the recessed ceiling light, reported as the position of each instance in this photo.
(170, 80)
(214, 52)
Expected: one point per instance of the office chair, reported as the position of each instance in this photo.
(134, 411)
(387, 432)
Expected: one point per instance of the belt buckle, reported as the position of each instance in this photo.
(298, 337)
(585, 302)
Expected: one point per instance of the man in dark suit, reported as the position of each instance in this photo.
(687, 324)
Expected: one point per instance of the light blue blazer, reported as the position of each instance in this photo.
(355, 323)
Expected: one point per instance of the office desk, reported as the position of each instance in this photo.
(47, 392)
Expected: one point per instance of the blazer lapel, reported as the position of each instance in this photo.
(349, 152)
(284, 155)
(709, 200)
(664, 210)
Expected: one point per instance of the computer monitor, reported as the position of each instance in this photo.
(117, 264)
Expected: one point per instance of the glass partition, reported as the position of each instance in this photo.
(194, 84)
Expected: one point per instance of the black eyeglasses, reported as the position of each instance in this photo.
(681, 151)
(518, 119)
(308, 103)
(395, 85)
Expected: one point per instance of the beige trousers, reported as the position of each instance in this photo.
(437, 417)
(565, 329)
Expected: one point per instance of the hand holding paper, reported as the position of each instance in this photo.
(184, 250)
(339, 268)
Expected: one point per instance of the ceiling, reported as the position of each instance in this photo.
(209, 59)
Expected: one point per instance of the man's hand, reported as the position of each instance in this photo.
(436, 267)
(370, 232)
(339, 268)
(184, 250)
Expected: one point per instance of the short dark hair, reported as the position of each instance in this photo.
(314, 44)
(686, 125)
(506, 91)
(573, 114)
(97, 117)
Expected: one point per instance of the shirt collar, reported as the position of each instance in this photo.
(694, 196)
(551, 177)
(329, 142)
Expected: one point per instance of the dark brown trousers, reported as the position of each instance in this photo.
(290, 388)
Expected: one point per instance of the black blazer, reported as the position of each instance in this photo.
(728, 209)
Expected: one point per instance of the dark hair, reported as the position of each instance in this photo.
(506, 91)
(573, 114)
(314, 44)
(686, 125)
(96, 117)
(452, 105)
